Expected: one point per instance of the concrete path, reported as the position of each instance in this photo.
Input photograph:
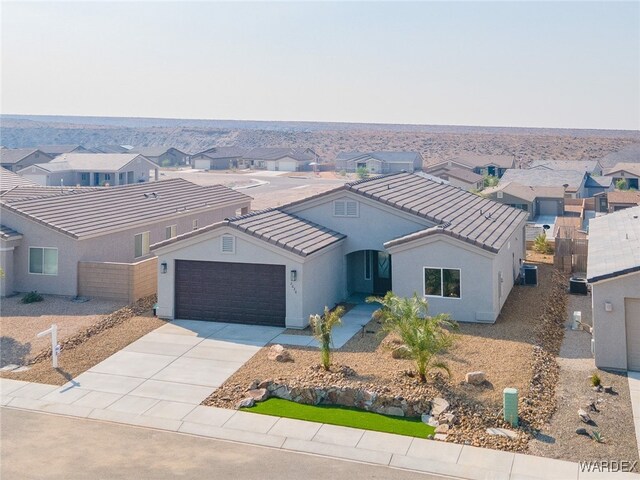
(634, 389)
(343, 443)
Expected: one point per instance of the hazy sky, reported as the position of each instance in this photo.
(531, 64)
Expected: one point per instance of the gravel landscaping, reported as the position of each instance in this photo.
(505, 351)
(91, 345)
(20, 323)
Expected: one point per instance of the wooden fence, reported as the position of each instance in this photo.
(570, 254)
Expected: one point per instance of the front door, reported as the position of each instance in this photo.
(381, 273)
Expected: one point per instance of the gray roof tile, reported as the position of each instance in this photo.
(9, 180)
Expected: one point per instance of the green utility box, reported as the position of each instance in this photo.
(510, 406)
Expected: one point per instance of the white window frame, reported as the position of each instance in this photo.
(43, 272)
(344, 204)
(222, 244)
(500, 194)
(145, 251)
(172, 230)
(424, 283)
(368, 264)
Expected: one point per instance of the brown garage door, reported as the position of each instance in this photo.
(248, 293)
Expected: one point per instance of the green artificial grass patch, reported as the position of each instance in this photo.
(345, 416)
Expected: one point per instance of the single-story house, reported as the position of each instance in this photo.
(399, 232)
(463, 178)
(379, 162)
(95, 242)
(494, 165)
(572, 181)
(218, 158)
(14, 159)
(282, 159)
(613, 270)
(10, 180)
(609, 202)
(163, 156)
(627, 171)
(93, 169)
(592, 167)
(114, 148)
(534, 200)
(55, 150)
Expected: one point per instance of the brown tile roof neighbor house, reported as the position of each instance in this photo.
(630, 167)
(480, 160)
(38, 191)
(95, 212)
(95, 162)
(525, 192)
(628, 197)
(55, 150)
(463, 174)
(275, 153)
(14, 155)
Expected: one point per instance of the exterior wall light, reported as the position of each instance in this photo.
(294, 275)
(608, 307)
(163, 267)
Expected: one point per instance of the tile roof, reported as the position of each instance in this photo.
(275, 153)
(223, 152)
(525, 193)
(276, 227)
(39, 191)
(539, 177)
(463, 174)
(50, 166)
(474, 159)
(9, 180)
(104, 210)
(153, 151)
(109, 149)
(577, 165)
(624, 196)
(598, 181)
(630, 167)
(384, 156)
(95, 162)
(14, 155)
(7, 233)
(59, 149)
(614, 245)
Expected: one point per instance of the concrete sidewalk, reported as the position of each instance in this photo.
(344, 443)
(634, 389)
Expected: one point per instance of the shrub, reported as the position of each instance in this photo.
(621, 184)
(321, 327)
(542, 245)
(362, 172)
(595, 380)
(490, 181)
(423, 336)
(32, 297)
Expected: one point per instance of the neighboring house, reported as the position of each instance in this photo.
(629, 172)
(93, 169)
(613, 270)
(609, 202)
(379, 162)
(534, 200)
(572, 181)
(110, 149)
(10, 180)
(592, 167)
(463, 178)
(163, 156)
(282, 159)
(14, 159)
(596, 185)
(218, 158)
(494, 165)
(96, 242)
(400, 232)
(55, 150)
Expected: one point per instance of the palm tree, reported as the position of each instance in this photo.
(321, 326)
(424, 336)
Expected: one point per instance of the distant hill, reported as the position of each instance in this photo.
(435, 142)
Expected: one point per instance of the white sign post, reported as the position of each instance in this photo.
(55, 348)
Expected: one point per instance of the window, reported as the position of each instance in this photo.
(121, 177)
(195, 224)
(141, 244)
(170, 231)
(43, 260)
(442, 282)
(228, 244)
(84, 176)
(345, 208)
(107, 176)
(500, 194)
(367, 264)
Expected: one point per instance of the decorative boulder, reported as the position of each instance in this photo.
(279, 354)
(475, 378)
(245, 403)
(258, 394)
(447, 418)
(582, 431)
(584, 416)
(439, 405)
(443, 428)
(401, 353)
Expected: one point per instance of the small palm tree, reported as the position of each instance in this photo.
(542, 245)
(423, 335)
(321, 327)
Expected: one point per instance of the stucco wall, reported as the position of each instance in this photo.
(324, 282)
(369, 231)
(476, 292)
(506, 265)
(609, 328)
(125, 282)
(6, 263)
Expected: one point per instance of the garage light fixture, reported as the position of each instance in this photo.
(163, 267)
(294, 275)
(608, 307)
